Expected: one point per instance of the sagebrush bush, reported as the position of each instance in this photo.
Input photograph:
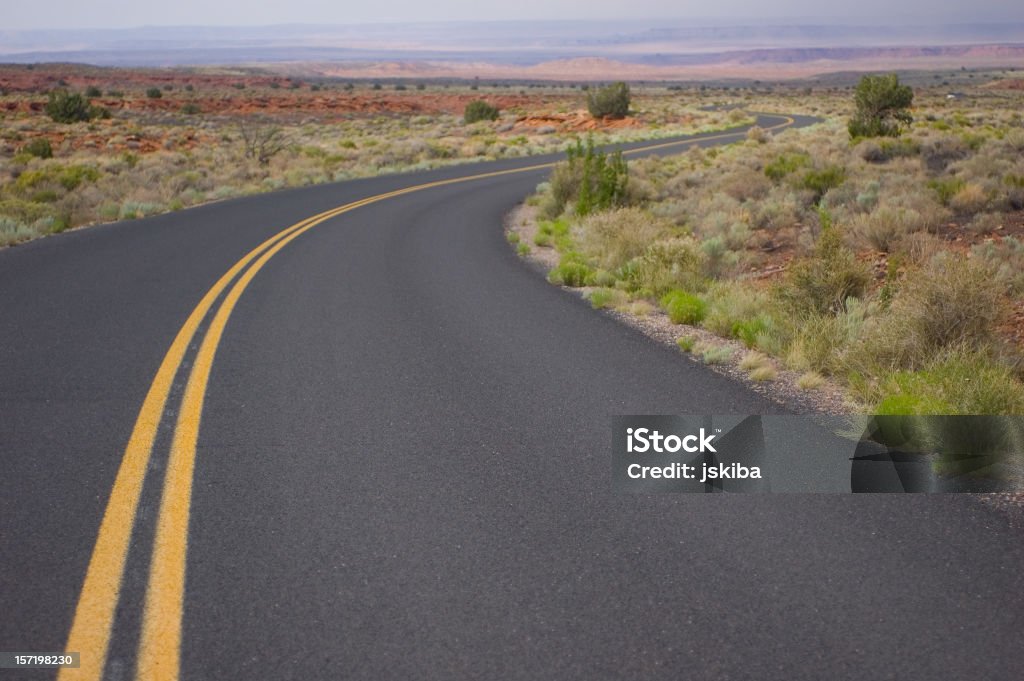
(1005, 259)
(885, 227)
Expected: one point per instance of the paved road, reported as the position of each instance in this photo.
(402, 473)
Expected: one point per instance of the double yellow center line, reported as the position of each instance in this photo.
(160, 644)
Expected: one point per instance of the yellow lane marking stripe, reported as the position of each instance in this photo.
(159, 649)
(93, 619)
(94, 613)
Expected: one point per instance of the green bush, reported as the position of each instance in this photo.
(946, 188)
(786, 164)
(683, 307)
(190, 109)
(479, 110)
(92, 91)
(68, 107)
(574, 274)
(820, 181)
(611, 101)
(822, 283)
(572, 271)
(38, 147)
(154, 93)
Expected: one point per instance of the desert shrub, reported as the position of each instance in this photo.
(743, 312)
(745, 184)
(611, 101)
(757, 134)
(786, 164)
(820, 181)
(614, 237)
(686, 343)
(68, 107)
(190, 109)
(554, 233)
(946, 188)
(885, 150)
(822, 283)
(138, 209)
(886, 226)
(959, 381)
(665, 265)
(38, 147)
(951, 302)
(154, 93)
(92, 91)
(602, 298)
(938, 153)
(572, 271)
(479, 110)
(13, 231)
(969, 199)
(718, 354)
(1006, 259)
(819, 342)
(683, 307)
(25, 212)
(68, 177)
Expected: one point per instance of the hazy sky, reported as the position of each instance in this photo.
(126, 13)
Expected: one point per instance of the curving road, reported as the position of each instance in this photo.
(401, 470)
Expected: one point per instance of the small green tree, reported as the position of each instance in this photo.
(68, 107)
(154, 93)
(479, 110)
(882, 106)
(611, 101)
(591, 178)
(92, 91)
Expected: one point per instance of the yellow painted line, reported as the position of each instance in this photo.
(160, 646)
(94, 613)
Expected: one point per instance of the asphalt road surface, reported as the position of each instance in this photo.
(402, 470)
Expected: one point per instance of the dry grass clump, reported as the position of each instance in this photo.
(810, 380)
(949, 303)
(613, 238)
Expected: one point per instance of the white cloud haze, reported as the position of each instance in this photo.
(129, 13)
